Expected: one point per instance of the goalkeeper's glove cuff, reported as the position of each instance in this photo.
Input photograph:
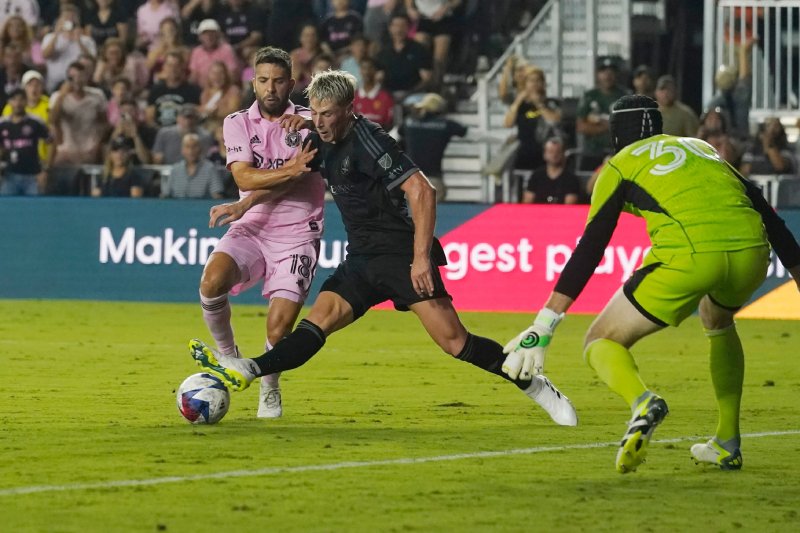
(549, 319)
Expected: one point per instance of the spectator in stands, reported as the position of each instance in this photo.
(727, 146)
(303, 57)
(169, 40)
(242, 23)
(167, 96)
(405, 64)
(37, 104)
(769, 153)
(64, 45)
(17, 32)
(221, 97)
(149, 17)
(78, 116)
(322, 63)
(643, 81)
(211, 48)
(536, 117)
(679, 119)
(371, 100)
(131, 127)
(114, 62)
(436, 23)
(714, 120)
(193, 13)
(426, 134)
(512, 80)
(120, 90)
(194, 176)
(28, 10)
(351, 61)
(20, 134)
(283, 24)
(168, 144)
(106, 21)
(376, 22)
(12, 71)
(120, 177)
(340, 27)
(552, 183)
(594, 109)
(734, 92)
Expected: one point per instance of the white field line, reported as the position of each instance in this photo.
(347, 464)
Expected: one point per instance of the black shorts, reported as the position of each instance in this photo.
(444, 26)
(367, 280)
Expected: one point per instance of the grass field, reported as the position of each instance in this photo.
(380, 432)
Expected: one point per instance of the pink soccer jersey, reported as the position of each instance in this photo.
(297, 215)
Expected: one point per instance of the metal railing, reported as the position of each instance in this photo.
(774, 58)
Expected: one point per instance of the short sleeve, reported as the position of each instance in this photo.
(237, 143)
(380, 156)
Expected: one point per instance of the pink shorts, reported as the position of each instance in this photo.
(287, 269)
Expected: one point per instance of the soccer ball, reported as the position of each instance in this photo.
(203, 399)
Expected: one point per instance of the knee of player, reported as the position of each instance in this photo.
(214, 284)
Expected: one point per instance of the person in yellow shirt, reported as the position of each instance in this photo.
(38, 104)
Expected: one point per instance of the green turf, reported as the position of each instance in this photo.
(89, 399)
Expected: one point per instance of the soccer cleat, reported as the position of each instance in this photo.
(269, 402)
(235, 373)
(713, 454)
(558, 406)
(646, 418)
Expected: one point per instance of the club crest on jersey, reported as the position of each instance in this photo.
(344, 169)
(385, 162)
(293, 139)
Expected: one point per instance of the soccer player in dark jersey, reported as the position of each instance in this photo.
(20, 134)
(392, 253)
(711, 231)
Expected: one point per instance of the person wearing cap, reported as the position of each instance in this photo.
(426, 134)
(679, 119)
(643, 81)
(169, 139)
(212, 48)
(593, 111)
(37, 104)
(711, 231)
(20, 134)
(120, 177)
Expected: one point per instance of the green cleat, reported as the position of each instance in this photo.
(236, 374)
(633, 448)
(713, 454)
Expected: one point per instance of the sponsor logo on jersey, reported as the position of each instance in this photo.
(293, 139)
(385, 161)
(255, 140)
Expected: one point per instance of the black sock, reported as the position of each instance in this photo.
(488, 355)
(293, 350)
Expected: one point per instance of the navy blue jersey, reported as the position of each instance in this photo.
(20, 142)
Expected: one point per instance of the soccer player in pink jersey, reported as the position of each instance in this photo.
(277, 239)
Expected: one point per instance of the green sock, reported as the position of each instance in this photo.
(614, 364)
(726, 359)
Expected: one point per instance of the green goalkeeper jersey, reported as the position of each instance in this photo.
(690, 199)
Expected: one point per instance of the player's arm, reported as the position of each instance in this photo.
(224, 214)
(421, 196)
(526, 352)
(249, 178)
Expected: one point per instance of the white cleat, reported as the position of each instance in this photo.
(269, 401)
(558, 406)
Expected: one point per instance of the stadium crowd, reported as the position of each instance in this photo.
(132, 94)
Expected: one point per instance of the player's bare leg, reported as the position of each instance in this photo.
(606, 350)
(220, 274)
(441, 321)
(726, 360)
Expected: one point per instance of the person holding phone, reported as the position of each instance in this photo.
(64, 45)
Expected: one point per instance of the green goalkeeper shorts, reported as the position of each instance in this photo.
(668, 288)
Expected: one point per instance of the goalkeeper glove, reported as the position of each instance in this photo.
(526, 351)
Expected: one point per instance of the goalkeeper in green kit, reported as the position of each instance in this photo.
(711, 231)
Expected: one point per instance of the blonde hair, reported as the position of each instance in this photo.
(335, 86)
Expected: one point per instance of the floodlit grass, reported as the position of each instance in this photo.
(89, 400)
